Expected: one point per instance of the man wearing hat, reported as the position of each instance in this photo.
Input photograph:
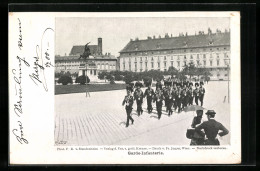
(128, 102)
(169, 98)
(165, 89)
(149, 93)
(201, 93)
(174, 93)
(138, 96)
(211, 129)
(184, 96)
(196, 93)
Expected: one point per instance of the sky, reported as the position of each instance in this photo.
(117, 32)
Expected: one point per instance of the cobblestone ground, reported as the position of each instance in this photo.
(100, 120)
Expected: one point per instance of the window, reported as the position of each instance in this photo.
(124, 66)
(171, 57)
(191, 57)
(129, 66)
(217, 55)
(152, 64)
(135, 58)
(141, 59)
(184, 50)
(146, 58)
(129, 59)
(171, 63)
(184, 63)
(210, 63)
(198, 62)
(158, 64)
(178, 63)
(198, 56)
(184, 56)
(95, 72)
(191, 50)
(164, 57)
(135, 67)
(145, 65)
(152, 58)
(164, 64)
(141, 65)
(217, 62)
(204, 56)
(178, 57)
(129, 54)
(204, 63)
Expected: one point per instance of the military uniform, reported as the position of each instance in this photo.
(128, 102)
(178, 99)
(211, 128)
(201, 95)
(149, 93)
(190, 95)
(196, 93)
(184, 97)
(170, 96)
(138, 96)
(164, 93)
(158, 98)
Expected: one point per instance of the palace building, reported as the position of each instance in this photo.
(209, 50)
(97, 62)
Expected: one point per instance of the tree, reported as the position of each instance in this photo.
(172, 71)
(129, 78)
(82, 80)
(190, 70)
(65, 79)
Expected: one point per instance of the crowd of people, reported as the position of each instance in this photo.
(176, 96)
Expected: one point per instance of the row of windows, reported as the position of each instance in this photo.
(178, 57)
(184, 50)
(198, 63)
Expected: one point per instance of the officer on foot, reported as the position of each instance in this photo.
(128, 102)
(158, 98)
(138, 96)
(211, 129)
(190, 93)
(178, 97)
(148, 94)
(196, 93)
(201, 93)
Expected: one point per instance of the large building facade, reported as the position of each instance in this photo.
(72, 63)
(209, 51)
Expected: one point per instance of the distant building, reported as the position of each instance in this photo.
(72, 63)
(204, 50)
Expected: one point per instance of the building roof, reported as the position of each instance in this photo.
(76, 58)
(79, 49)
(167, 43)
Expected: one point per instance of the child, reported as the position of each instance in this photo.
(197, 138)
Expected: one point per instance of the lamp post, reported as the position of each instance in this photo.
(227, 62)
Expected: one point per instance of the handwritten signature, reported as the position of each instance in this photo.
(18, 81)
(20, 137)
(39, 64)
(20, 44)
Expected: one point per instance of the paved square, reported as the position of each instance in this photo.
(100, 119)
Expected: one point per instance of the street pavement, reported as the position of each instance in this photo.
(100, 119)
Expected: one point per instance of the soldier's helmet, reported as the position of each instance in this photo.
(190, 84)
(196, 84)
(201, 83)
(138, 84)
(129, 88)
(148, 83)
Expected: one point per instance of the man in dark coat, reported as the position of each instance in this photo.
(196, 93)
(148, 94)
(138, 96)
(128, 102)
(201, 93)
(178, 97)
(211, 129)
(190, 94)
(158, 98)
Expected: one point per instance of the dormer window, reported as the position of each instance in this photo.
(158, 46)
(136, 47)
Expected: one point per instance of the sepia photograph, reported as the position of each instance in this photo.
(142, 81)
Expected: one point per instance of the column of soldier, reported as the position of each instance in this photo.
(175, 95)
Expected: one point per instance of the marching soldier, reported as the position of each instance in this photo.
(190, 93)
(174, 93)
(178, 97)
(128, 102)
(138, 96)
(158, 98)
(165, 88)
(196, 93)
(148, 94)
(201, 92)
(212, 128)
(184, 96)
(169, 97)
